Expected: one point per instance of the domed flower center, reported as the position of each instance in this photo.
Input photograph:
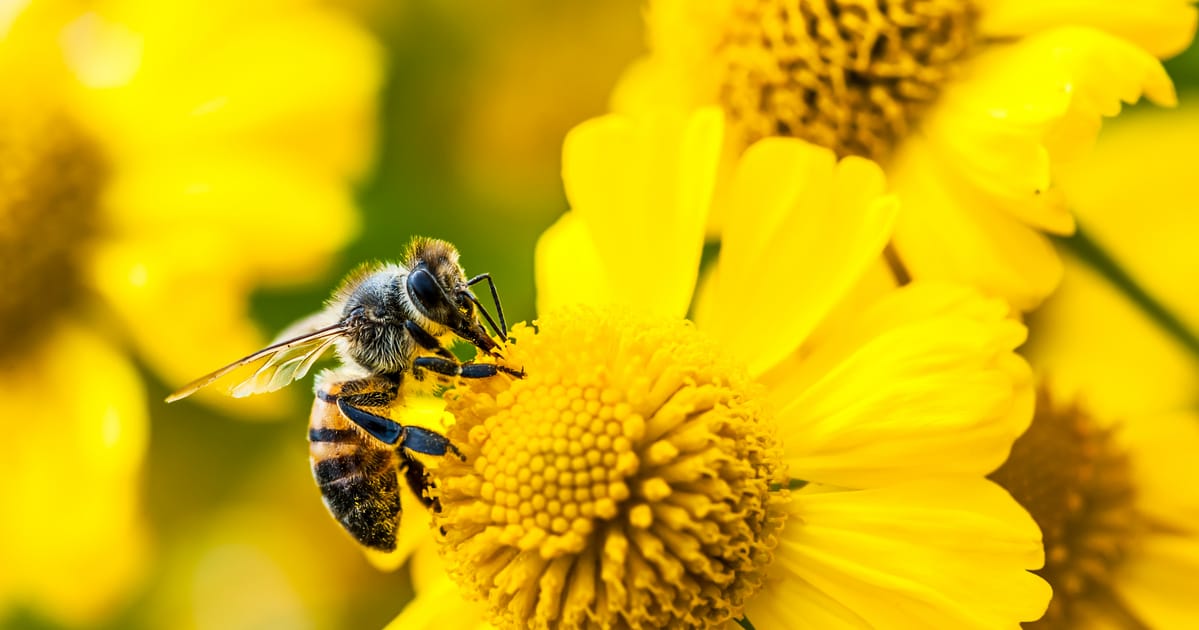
(850, 75)
(50, 181)
(628, 481)
(1068, 474)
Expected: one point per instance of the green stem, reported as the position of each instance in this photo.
(1092, 253)
(792, 484)
(744, 623)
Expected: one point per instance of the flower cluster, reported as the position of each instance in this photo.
(821, 419)
(826, 338)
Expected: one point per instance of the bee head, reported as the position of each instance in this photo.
(445, 298)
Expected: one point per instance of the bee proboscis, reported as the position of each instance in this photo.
(387, 322)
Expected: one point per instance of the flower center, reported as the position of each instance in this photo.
(1068, 474)
(625, 482)
(50, 182)
(850, 75)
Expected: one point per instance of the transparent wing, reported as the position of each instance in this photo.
(269, 368)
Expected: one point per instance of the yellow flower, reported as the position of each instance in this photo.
(160, 161)
(1111, 454)
(811, 451)
(970, 105)
(1115, 501)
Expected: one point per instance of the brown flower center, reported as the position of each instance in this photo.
(850, 75)
(1068, 473)
(51, 176)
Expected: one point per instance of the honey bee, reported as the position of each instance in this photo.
(386, 322)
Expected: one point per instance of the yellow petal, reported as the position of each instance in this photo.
(186, 321)
(1163, 27)
(1089, 72)
(268, 215)
(1158, 581)
(568, 269)
(929, 554)
(950, 234)
(439, 606)
(924, 382)
(642, 187)
(979, 171)
(807, 228)
(301, 80)
(1143, 162)
(1136, 369)
(73, 477)
(1162, 450)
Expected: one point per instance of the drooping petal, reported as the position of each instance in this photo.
(1163, 27)
(808, 229)
(924, 382)
(948, 234)
(928, 554)
(976, 179)
(642, 187)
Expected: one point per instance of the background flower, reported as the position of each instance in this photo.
(969, 106)
(144, 164)
(1123, 387)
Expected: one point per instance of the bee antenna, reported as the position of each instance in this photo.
(486, 315)
(502, 331)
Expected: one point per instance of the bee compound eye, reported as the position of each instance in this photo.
(423, 288)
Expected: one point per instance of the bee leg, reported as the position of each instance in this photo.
(422, 440)
(383, 429)
(419, 480)
(425, 340)
(450, 367)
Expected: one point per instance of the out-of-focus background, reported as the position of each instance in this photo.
(476, 101)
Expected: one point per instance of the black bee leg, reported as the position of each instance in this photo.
(465, 370)
(419, 480)
(425, 340)
(383, 429)
(422, 440)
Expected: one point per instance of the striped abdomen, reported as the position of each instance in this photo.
(356, 473)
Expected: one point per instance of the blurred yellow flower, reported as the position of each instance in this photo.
(1107, 468)
(811, 451)
(1117, 504)
(160, 161)
(1135, 196)
(970, 106)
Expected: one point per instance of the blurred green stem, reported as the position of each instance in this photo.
(1093, 254)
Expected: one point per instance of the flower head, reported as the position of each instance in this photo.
(970, 106)
(812, 449)
(630, 450)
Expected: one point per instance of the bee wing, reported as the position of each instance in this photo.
(281, 363)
